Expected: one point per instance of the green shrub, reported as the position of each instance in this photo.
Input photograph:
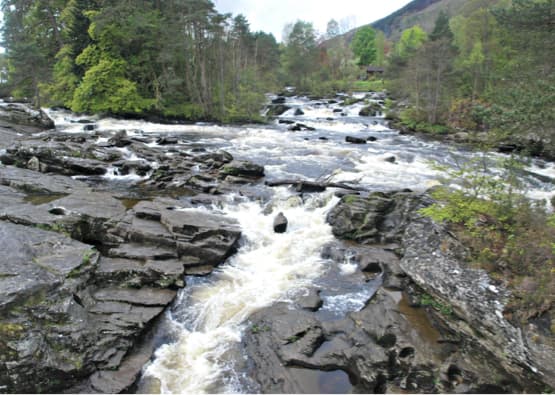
(507, 234)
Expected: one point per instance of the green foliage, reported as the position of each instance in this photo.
(255, 328)
(367, 85)
(299, 57)
(105, 89)
(417, 122)
(507, 234)
(443, 308)
(364, 46)
(411, 39)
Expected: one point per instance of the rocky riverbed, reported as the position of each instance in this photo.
(106, 228)
(86, 270)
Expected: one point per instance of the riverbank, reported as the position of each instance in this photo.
(532, 145)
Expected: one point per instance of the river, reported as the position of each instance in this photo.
(199, 338)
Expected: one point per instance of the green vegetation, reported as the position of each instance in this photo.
(428, 300)
(258, 329)
(364, 46)
(487, 70)
(510, 236)
(177, 58)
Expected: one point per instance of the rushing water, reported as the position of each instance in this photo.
(203, 330)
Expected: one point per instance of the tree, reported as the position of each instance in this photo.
(300, 55)
(332, 29)
(32, 38)
(364, 46)
(411, 39)
(66, 73)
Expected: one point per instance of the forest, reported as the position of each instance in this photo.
(488, 68)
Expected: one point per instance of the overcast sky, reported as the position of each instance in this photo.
(272, 15)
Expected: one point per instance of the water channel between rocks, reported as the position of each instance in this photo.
(200, 336)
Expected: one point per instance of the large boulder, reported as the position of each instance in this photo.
(46, 338)
(25, 115)
(371, 110)
(243, 169)
(275, 110)
(379, 217)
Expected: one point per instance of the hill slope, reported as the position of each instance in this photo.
(417, 12)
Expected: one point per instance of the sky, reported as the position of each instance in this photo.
(272, 15)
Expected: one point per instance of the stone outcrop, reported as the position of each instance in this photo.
(433, 260)
(377, 218)
(73, 314)
(435, 325)
(382, 348)
(22, 114)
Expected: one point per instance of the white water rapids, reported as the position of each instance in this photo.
(201, 352)
(211, 315)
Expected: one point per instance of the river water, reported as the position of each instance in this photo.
(199, 347)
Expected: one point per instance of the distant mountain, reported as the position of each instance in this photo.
(417, 12)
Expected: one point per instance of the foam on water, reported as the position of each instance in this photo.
(267, 268)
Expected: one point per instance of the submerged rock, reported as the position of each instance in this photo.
(355, 140)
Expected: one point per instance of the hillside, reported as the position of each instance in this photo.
(420, 12)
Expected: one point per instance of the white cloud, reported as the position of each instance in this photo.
(272, 15)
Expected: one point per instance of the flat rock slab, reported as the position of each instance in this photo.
(143, 296)
(35, 182)
(142, 252)
(137, 273)
(34, 260)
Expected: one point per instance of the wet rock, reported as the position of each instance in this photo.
(390, 159)
(370, 111)
(166, 140)
(305, 186)
(355, 140)
(312, 301)
(286, 121)
(277, 109)
(371, 138)
(89, 127)
(279, 100)
(34, 182)
(280, 223)
(243, 169)
(299, 127)
(298, 112)
(193, 237)
(380, 217)
(507, 147)
(139, 272)
(139, 167)
(42, 325)
(83, 313)
(383, 348)
(337, 110)
(23, 114)
(56, 157)
(120, 139)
